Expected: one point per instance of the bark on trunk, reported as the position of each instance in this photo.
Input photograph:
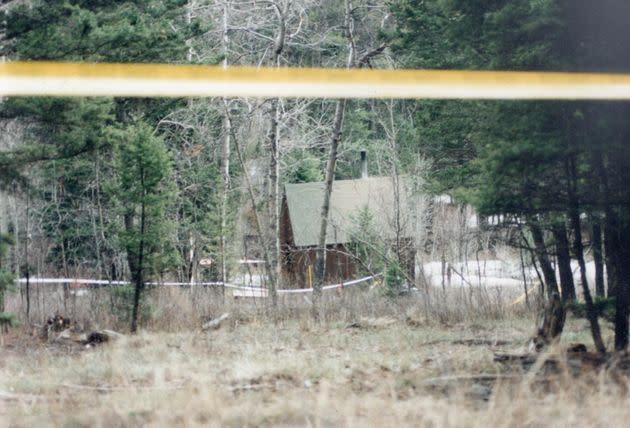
(274, 201)
(274, 163)
(139, 274)
(543, 258)
(598, 257)
(225, 153)
(564, 262)
(610, 253)
(616, 250)
(622, 287)
(320, 261)
(550, 323)
(611, 247)
(578, 249)
(225, 182)
(27, 268)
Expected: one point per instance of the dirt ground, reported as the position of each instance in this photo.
(373, 372)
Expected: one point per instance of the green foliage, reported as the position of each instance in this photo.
(604, 308)
(121, 301)
(504, 157)
(5, 242)
(7, 279)
(60, 128)
(534, 160)
(143, 191)
(74, 134)
(112, 31)
(395, 279)
(7, 320)
(366, 244)
(304, 168)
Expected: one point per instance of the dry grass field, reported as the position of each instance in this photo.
(370, 362)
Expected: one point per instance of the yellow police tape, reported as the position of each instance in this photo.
(161, 80)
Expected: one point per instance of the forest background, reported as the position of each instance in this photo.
(144, 188)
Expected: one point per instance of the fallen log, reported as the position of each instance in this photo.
(215, 324)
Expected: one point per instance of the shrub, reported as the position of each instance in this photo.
(394, 280)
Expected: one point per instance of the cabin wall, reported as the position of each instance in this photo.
(297, 262)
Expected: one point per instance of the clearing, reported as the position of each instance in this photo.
(399, 370)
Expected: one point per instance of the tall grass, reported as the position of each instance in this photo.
(173, 309)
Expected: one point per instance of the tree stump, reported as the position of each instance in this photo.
(550, 324)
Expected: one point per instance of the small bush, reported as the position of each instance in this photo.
(7, 320)
(604, 308)
(394, 280)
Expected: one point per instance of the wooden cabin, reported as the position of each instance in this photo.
(300, 224)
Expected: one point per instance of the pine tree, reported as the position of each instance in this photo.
(142, 191)
(7, 281)
(74, 135)
(545, 161)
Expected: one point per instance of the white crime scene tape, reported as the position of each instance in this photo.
(81, 281)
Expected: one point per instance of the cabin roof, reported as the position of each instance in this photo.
(349, 197)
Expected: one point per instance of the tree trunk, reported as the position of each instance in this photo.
(274, 202)
(2, 307)
(27, 268)
(191, 260)
(543, 257)
(611, 246)
(616, 248)
(598, 258)
(320, 261)
(225, 154)
(622, 288)
(139, 275)
(578, 249)
(520, 252)
(610, 253)
(550, 322)
(274, 164)
(225, 182)
(564, 262)
(591, 314)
